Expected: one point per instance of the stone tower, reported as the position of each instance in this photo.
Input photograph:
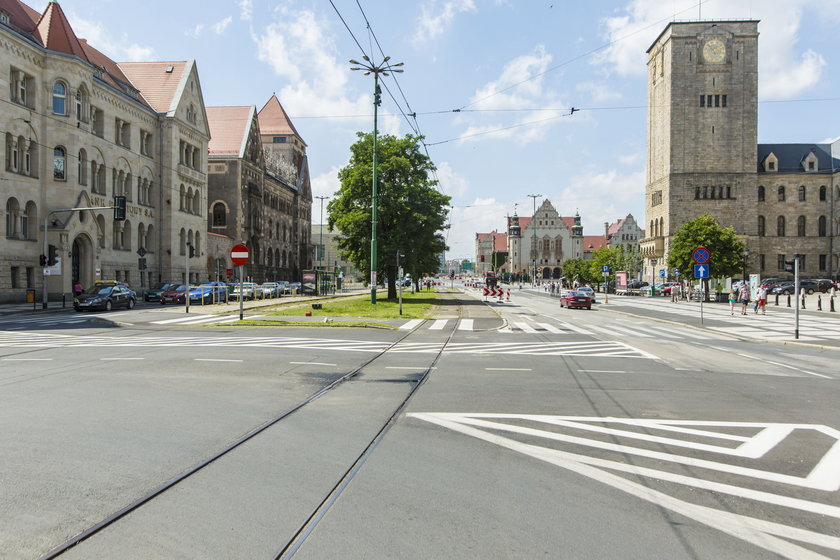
(702, 131)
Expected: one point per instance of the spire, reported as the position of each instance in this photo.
(55, 33)
(274, 120)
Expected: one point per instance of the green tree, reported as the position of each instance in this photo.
(578, 269)
(610, 256)
(725, 248)
(411, 212)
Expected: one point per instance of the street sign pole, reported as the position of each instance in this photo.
(241, 295)
(796, 289)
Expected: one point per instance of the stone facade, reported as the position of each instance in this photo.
(79, 130)
(543, 242)
(703, 156)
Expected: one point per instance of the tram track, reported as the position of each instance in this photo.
(292, 545)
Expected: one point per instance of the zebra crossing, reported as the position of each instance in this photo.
(587, 348)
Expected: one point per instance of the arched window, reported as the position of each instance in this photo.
(80, 103)
(780, 226)
(822, 193)
(761, 193)
(197, 244)
(59, 98)
(82, 167)
(781, 193)
(196, 208)
(126, 236)
(219, 215)
(761, 226)
(800, 226)
(12, 216)
(59, 164)
(183, 241)
(100, 230)
(821, 227)
(802, 193)
(183, 197)
(29, 221)
(141, 236)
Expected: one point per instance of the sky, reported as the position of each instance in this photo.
(491, 83)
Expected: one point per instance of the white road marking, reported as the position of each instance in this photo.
(214, 360)
(525, 327)
(27, 359)
(438, 325)
(311, 364)
(601, 371)
(756, 531)
(550, 328)
(411, 324)
(465, 325)
(574, 328)
(119, 359)
(507, 369)
(179, 319)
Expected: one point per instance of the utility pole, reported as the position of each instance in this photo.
(534, 240)
(321, 241)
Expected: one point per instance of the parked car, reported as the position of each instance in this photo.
(153, 293)
(637, 284)
(175, 296)
(105, 296)
(271, 289)
(209, 293)
(788, 288)
(245, 290)
(576, 298)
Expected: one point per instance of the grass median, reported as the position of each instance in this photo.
(418, 305)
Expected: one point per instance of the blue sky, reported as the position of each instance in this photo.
(492, 83)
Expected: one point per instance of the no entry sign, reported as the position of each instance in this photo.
(239, 254)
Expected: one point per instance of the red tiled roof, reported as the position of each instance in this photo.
(569, 221)
(157, 86)
(21, 16)
(523, 222)
(229, 127)
(594, 242)
(500, 242)
(613, 229)
(55, 33)
(274, 120)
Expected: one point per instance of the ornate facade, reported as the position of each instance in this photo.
(703, 156)
(80, 129)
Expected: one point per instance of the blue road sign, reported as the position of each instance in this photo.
(700, 255)
(701, 271)
(605, 268)
(662, 273)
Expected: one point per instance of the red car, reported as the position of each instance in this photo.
(574, 298)
(175, 296)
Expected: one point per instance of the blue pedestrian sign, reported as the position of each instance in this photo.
(701, 271)
(605, 268)
(662, 273)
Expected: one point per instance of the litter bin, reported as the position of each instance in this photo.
(30, 296)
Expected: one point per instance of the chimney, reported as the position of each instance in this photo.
(607, 230)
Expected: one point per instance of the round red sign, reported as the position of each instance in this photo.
(239, 254)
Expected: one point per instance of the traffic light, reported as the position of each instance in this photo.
(400, 259)
(119, 208)
(790, 266)
(482, 258)
(43, 260)
(52, 257)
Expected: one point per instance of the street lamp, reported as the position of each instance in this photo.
(746, 255)
(321, 241)
(534, 241)
(382, 68)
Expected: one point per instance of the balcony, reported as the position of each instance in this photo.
(652, 247)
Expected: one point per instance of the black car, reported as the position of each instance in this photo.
(104, 297)
(153, 293)
(788, 288)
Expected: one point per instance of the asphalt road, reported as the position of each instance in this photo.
(539, 432)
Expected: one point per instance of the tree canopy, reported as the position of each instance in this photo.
(726, 250)
(412, 214)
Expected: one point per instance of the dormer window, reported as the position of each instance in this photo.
(810, 163)
(771, 163)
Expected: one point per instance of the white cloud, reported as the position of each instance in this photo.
(603, 197)
(629, 159)
(219, 27)
(298, 50)
(597, 93)
(195, 32)
(784, 71)
(520, 85)
(482, 216)
(451, 184)
(325, 184)
(116, 48)
(246, 9)
(437, 17)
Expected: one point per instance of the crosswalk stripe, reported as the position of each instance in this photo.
(438, 325)
(411, 324)
(550, 328)
(634, 332)
(466, 325)
(525, 327)
(180, 319)
(574, 328)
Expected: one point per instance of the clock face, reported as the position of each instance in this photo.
(714, 51)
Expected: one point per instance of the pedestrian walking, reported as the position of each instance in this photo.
(78, 289)
(745, 297)
(733, 297)
(761, 304)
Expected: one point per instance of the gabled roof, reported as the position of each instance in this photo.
(229, 129)
(274, 120)
(614, 227)
(791, 156)
(21, 16)
(55, 33)
(156, 82)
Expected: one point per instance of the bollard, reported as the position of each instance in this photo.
(63, 300)
(819, 302)
(831, 304)
(803, 301)
(777, 300)
(788, 300)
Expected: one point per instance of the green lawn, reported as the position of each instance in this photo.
(415, 306)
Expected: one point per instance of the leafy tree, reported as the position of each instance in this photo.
(631, 260)
(725, 249)
(610, 256)
(411, 212)
(578, 269)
